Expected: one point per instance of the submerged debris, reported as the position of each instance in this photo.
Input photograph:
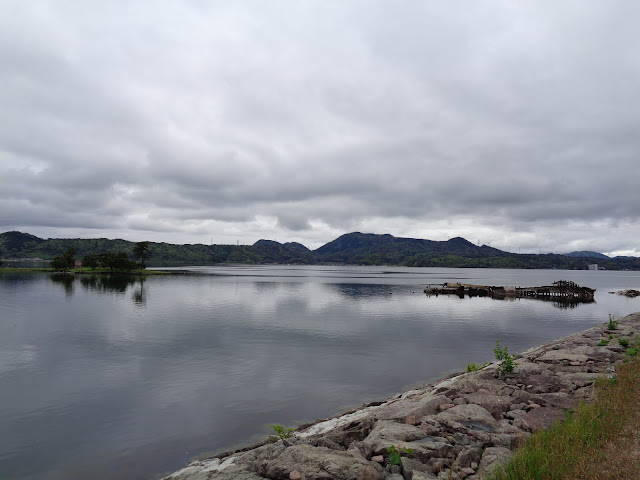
(562, 290)
(631, 293)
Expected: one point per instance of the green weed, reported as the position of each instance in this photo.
(474, 367)
(506, 365)
(395, 454)
(281, 432)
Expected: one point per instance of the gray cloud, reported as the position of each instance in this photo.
(184, 121)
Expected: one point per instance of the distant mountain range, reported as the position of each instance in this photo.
(586, 254)
(352, 249)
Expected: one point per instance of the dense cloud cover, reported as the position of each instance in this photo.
(514, 124)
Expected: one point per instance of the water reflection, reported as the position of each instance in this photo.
(66, 280)
(140, 294)
(105, 284)
(108, 283)
(358, 290)
(141, 384)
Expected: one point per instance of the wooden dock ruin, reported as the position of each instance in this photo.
(560, 291)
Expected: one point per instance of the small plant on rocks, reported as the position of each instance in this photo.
(613, 323)
(474, 367)
(281, 432)
(395, 454)
(506, 365)
(623, 342)
(603, 342)
(632, 352)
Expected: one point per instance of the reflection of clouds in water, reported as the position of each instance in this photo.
(24, 356)
(228, 355)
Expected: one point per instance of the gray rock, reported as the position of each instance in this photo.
(395, 476)
(326, 442)
(470, 415)
(423, 476)
(494, 404)
(492, 457)
(387, 433)
(468, 456)
(394, 469)
(446, 475)
(352, 432)
(465, 472)
(316, 463)
(543, 418)
(231, 473)
(513, 414)
(418, 407)
(360, 449)
(366, 472)
(562, 355)
(256, 460)
(411, 465)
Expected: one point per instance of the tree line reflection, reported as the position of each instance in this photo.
(104, 284)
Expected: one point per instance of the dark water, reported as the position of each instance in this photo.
(127, 379)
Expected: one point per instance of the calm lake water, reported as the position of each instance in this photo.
(113, 378)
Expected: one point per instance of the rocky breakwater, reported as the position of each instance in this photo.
(468, 422)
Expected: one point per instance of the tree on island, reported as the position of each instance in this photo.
(116, 261)
(141, 251)
(66, 261)
(91, 261)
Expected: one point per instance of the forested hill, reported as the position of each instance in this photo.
(352, 248)
(23, 245)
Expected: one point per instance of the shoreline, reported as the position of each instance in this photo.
(476, 418)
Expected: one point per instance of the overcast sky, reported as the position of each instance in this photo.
(512, 124)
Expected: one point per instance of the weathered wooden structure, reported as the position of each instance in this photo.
(562, 290)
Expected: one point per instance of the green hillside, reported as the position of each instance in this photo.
(351, 249)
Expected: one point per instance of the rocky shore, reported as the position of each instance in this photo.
(469, 422)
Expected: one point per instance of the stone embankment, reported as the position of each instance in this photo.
(469, 422)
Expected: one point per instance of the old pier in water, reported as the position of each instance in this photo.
(562, 290)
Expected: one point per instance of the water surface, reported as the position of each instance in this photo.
(121, 378)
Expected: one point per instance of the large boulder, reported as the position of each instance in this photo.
(388, 433)
(543, 418)
(491, 459)
(418, 407)
(494, 404)
(320, 463)
(561, 355)
(469, 416)
(256, 460)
